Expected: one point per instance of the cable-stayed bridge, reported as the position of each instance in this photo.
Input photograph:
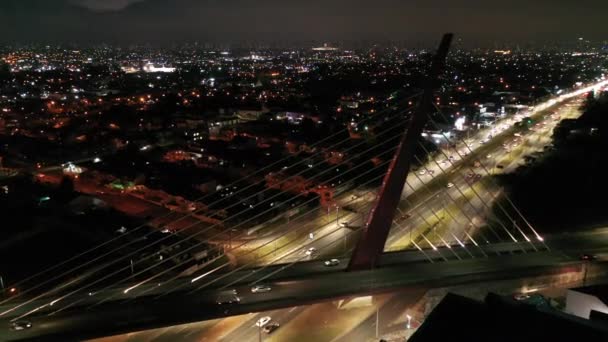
(441, 214)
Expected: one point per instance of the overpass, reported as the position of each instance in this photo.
(303, 283)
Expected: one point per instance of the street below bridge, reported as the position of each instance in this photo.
(315, 289)
(431, 210)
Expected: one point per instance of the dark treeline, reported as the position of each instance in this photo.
(566, 187)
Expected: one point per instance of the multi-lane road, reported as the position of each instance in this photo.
(436, 214)
(397, 271)
(444, 209)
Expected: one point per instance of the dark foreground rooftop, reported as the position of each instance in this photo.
(500, 319)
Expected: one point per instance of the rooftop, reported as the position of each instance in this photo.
(504, 319)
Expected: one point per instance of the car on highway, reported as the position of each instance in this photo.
(332, 262)
(269, 328)
(311, 251)
(406, 216)
(344, 224)
(450, 185)
(261, 289)
(422, 172)
(431, 172)
(21, 325)
(262, 321)
(588, 257)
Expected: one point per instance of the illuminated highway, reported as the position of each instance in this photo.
(396, 272)
(331, 238)
(444, 209)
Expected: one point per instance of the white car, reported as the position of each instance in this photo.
(21, 325)
(310, 251)
(262, 321)
(260, 289)
(422, 172)
(332, 262)
(450, 185)
(344, 224)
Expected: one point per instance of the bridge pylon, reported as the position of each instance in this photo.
(373, 237)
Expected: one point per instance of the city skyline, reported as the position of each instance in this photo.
(284, 23)
(304, 170)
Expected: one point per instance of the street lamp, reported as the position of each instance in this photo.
(260, 333)
(377, 320)
(337, 213)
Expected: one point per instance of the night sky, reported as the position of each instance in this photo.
(288, 21)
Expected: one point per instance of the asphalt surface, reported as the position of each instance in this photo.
(329, 236)
(455, 208)
(397, 272)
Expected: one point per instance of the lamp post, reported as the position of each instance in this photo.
(260, 333)
(377, 320)
(337, 213)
